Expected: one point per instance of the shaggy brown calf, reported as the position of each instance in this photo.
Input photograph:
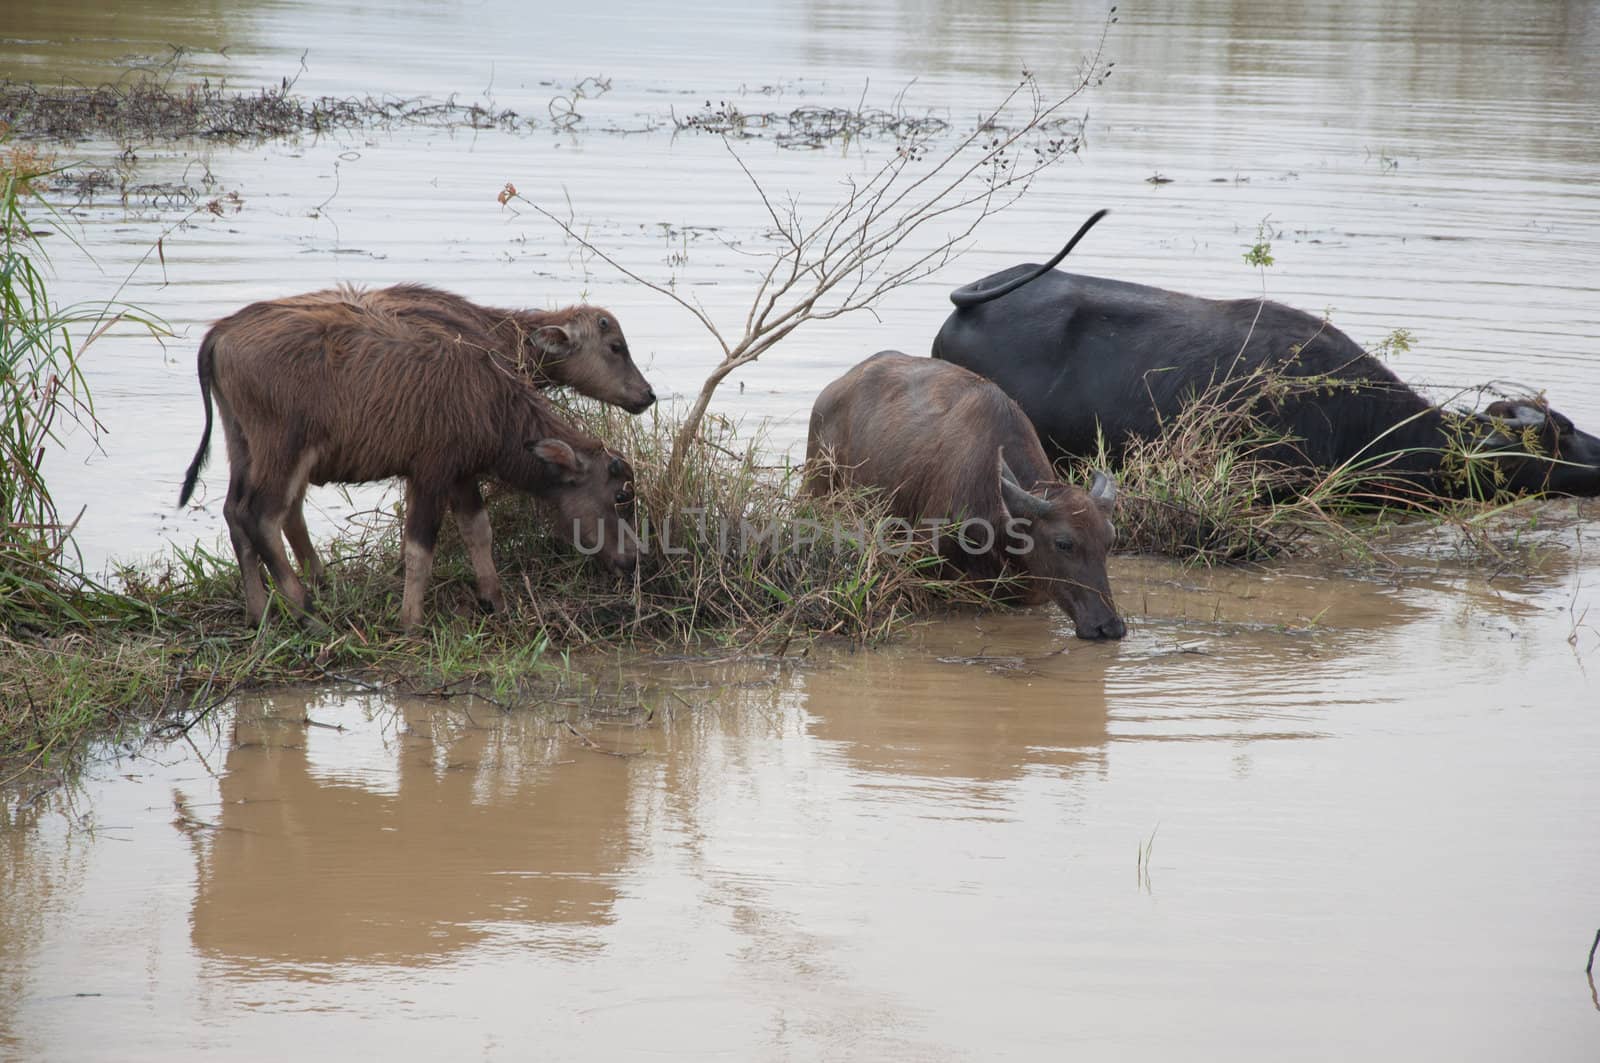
(580, 347)
(946, 445)
(323, 391)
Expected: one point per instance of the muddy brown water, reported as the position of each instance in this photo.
(1295, 814)
(1255, 829)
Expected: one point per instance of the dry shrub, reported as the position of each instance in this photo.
(731, 550)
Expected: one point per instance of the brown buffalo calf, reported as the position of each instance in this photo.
(580, 347)
(320, 391)
(944, 444)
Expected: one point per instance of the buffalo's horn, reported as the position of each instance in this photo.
(1524, 416)
(1104, 488)
(1018, 500)
(1005, 470)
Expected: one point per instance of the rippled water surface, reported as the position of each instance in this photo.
(1294, 815)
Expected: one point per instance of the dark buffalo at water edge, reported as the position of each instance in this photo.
(1086, 354)
(944, 444)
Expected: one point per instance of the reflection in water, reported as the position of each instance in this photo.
(926, 851)
(407, 856)
(1220, 654)
(982, 706)
(1262, 67)
(31, 892)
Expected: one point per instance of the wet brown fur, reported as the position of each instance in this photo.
(334, 390)
(927, 433)
(592, 357)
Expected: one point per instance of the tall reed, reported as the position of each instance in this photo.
(42, 386)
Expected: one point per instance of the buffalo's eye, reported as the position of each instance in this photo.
(1064, 544)
(615, 468)
(605, 324)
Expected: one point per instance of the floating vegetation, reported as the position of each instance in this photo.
(149, 108)
(810, 126)
(814, 126)
(86, 185)
(152, 108)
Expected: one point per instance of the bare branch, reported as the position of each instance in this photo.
(861, 247)
(600, 253)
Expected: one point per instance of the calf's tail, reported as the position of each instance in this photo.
(973, 295)
(206, 362)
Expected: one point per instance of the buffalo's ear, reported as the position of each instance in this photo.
(551, 339)
(556, 452)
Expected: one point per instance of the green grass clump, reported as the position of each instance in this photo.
(737, 551)
(41, 387)
(1214, 487)
(39, 382)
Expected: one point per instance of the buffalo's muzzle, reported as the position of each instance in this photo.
(1106, 629)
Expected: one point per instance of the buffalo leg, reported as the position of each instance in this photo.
(424, 512)
(234, 512)
(265, 510)
(294, 529)
(472, 520)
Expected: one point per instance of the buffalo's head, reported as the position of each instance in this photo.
(589, 354)
(593, 497)
(1540, 449)
(1061, 534)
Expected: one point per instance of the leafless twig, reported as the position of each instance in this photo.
(869, 243)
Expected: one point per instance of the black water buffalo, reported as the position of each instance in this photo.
(1084, 355)
(948, 446)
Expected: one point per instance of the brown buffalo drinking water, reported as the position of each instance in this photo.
(946, 445)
